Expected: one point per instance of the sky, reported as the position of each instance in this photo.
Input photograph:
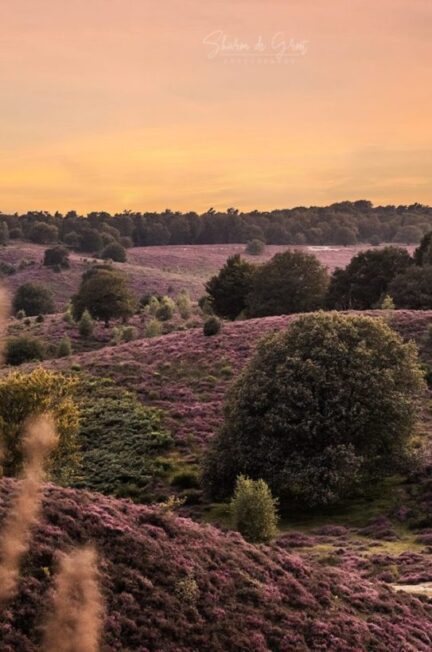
(192, 104)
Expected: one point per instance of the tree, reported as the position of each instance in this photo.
(23, 349)
(85, 325)
(166, 308)
(56, 256)
(4, 233)
(423, 253)
(322, 408)
(228, 290)
(43, 233)
(114, 251)
(345, 236)
(25, 395)
(253, 510)
(90, 240)
(290, 282)
(365, 281)
(64, 348)
(34, 299)
(105, 295)
(255, 247)
(408, 234)
(413, 288)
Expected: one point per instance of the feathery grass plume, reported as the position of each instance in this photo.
(39, 441)
(76, 619)
(4, 315)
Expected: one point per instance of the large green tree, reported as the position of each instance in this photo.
(228, 289)
(290, 282)
(320, 409)
(365, 281)
(413, 288)
(104, 293)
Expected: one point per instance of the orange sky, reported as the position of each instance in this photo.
(114, 104)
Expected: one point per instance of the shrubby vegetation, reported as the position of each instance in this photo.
(121, 440)
(255, 247)
(33, 299)
(320, 410)
(25, 395)
(56, 257)
(115, 252)
(413, 288)
(212, 326)
(23, 349)
(253, 510)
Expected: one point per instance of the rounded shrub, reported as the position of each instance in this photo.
(114, 251)
(165, 312)
(56, 257)
(254, 510)
(24, 349)
(212, 326)
(255, 247)
(64, 348)
(320, 410)
(33, 299)
(85, 324)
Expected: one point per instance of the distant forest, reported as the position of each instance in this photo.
(343, 223)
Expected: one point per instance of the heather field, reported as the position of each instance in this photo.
(175, 576)
(152, 270)
(171, 584)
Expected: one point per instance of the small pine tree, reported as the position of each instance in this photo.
(68, 316)
(85, 325)
(254, 510)
(387, 303)
(184, 304)
(65, 348)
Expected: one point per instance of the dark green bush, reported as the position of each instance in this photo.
(212, 326)
(255, 247)
(321, 409)
(413, 288)
(24, 349)
(229, 289)
(114, 251)
(56, 257)
(34, 299)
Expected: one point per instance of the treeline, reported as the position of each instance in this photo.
(343, 223)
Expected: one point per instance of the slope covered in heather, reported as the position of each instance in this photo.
(173, 585)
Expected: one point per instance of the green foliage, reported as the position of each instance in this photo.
(104, 293)
(64, 348)
(254, 510)
(124, 334)
(205, 305)
(290, 282)
(212, 326)
(255, 247)
(43, 233)
(322, 408)
(184, 304)
(387, 303)
(24, 395)
(40, 319)
(34, 299)
(24, 349)
(6, 269)
(120, 438)
(153, 328)
(20, 314)
(423, 253)
(85, 324)
(165, 312)
(364, 282)
(56, 256)
(114, 251)
(229, 289)
(68, 316)
(186, 479)
(413, 288)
